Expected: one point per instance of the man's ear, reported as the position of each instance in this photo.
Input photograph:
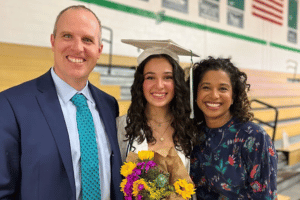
(100, 50)
(52, 41)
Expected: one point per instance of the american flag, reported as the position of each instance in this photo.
(269, 10)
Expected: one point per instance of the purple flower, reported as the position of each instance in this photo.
(141, 186)
(128, 189)
(141, 165)
(137, 171)
(128, 197)
(149, 165)
(139, 197)
(131, 178)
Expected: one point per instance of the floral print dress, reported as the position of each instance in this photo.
(235, 161)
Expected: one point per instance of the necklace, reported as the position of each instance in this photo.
(160, 123)
(161, 135)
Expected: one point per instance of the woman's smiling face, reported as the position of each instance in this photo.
(214, 97)
(158, 86)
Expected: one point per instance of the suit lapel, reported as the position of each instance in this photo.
(50, 106)
(107, 116)
(108, 111)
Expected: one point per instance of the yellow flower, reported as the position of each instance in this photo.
(184, 189)
(127, 168)
(146, 155)
(154, 195)
(153, 191)
(123, 183)
(136, 185)
(156, 192)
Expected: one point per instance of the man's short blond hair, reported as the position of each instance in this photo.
(78, 7)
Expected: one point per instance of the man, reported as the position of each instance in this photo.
(41, 150)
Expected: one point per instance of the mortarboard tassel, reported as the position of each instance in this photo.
(191, 88)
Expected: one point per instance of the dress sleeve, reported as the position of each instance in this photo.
(121, 124)
(195, 166)
(260, 161)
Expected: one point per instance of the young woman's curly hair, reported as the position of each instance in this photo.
(137, 127)
(241, 104)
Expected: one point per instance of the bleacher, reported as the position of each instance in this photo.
(19, 63)
(281, 94)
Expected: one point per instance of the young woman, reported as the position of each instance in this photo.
(158, 117)
(235, 158)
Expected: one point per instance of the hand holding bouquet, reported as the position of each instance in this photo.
(145, 179)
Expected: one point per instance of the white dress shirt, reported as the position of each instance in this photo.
(65, 92)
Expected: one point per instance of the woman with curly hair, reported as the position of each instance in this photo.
(159, 115)
(235, 158)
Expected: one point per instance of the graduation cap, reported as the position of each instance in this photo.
(154, 47)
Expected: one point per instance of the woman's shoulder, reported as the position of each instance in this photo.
(121, 118)
(121, 124)
(250, 128)
(121, 121)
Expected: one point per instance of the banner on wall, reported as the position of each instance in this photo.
(292, 36)
(235, 13)
(209, 9)
(292, 21)
(235, 18)
(178, 5)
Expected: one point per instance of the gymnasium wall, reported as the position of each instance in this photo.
(228, 30)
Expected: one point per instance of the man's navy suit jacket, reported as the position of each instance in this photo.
(35, 154)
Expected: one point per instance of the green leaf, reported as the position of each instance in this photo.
(232, 128)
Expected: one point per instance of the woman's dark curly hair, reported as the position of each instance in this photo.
(184, 135)
(241, 104)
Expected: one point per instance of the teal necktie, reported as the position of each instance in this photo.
(90, 183)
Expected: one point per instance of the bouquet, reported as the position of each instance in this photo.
(145, 179)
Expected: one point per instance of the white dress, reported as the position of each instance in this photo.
(121, 124)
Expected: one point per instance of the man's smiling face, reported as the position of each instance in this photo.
(76, 46)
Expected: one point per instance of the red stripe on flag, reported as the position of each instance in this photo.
(268, 12)
(270, 6)
(275, 2)
(266, 18)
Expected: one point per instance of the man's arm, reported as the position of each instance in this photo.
(9, 151)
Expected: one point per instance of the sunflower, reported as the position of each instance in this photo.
(183, 188)
(127, 168)
(146, 155)
(122, 185)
